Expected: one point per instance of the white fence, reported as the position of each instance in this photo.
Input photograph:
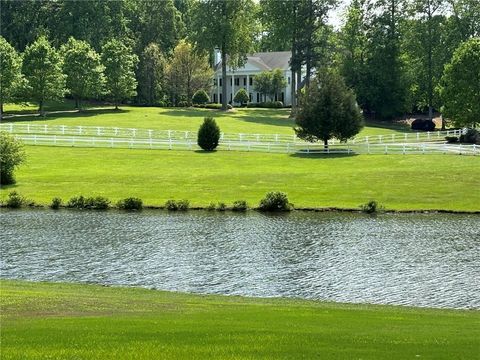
(261, 146)
(185, 136)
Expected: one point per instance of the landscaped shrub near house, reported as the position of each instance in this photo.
(267, 104)
(472, 136)
(451, 139)
(221, 206)
(241, 96)
(371, 207)
(423, 124)
(130, 203)
(240, 205)
(15, 200)
(216, 106)
(275, 201)
(208, 134)
(56, 203)
(200, 97)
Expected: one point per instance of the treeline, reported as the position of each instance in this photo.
(393, 53)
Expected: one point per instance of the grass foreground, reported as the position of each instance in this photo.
(67, 321)
(399, 182)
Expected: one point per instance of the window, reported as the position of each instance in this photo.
(214, 82)
(258, 97)
(289, 80)
(251, 80)
(250, 97)
(237, 81)
(220, 81)
(214, 98)
(244, 81)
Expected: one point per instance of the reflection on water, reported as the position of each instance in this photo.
(409, 259)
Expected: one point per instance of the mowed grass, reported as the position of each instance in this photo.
(66, 321)
(239, 120)
(400, 182)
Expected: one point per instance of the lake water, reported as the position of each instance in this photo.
(405, 259)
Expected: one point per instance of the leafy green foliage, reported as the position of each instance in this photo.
(472, 136)
(15, 200)
(240, 206)
(200, 97)
(90, 203)
(208, 134)
(371, 207)
(328, 109)
(275, 201)
(10, 75)
(56, 203)
(241, 96)
(42, 67)
(83, 70)
(221, 206)
(151, 75)
(12, 155)
(461, 86)
(120, 64)
(262, 83)
(177, 205)
(130, 203)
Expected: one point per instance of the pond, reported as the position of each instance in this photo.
(428, 260)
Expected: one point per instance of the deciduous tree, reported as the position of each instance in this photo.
(10, 75)
(151, 75)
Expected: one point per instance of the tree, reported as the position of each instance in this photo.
(200, 97)
(328, 109)
(42, 67)
(10, 75)
(151, 75)
(120, 63)
(460, 85)
(83, 70)
(241, 96)
(225, 24)
(12, 155)
(187, 72)
(262, 83)
(208, 134)
(278, 82)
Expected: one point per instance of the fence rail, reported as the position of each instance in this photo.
(261, 146)
(176, 135)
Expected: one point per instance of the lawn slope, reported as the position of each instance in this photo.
(63, 321)
(401, 182)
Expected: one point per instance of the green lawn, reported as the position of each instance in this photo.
(261, 121)
(64, 321)
(399, 182)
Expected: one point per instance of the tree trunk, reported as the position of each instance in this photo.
(76, 103)
(224, 78)
(443, 122)
(40, 108)
(1, 110)
(325, 145)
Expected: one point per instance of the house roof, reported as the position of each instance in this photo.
(267, 60)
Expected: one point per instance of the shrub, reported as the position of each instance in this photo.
(423, 124)
(130, 203)
(241, 96)
(268, 104)
(15, 200)
(472, 136)
(211, 206)
(91, 203)
(76, 202)
(451, 139)
(182, 104)
(278, 104)
(200, 97)
(208, 134)
(55, 204)
(213, 106)
(275, 201)
(371, 207)
(240, 205)
(171, 205)
(221, 206)
(12, 155)
(181, 205)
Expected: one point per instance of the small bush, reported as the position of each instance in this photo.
(208, 134)
(130, 203)
(15, 200)
(76, 202)
(182, 104)
(371, 207)
(267, 104)
(213, 106)
(56, 203)
(221, 206)
(241, 96)
(183, 205)
(423, 124)
(200, 97)
(472, 136)
(451, 139)
(275, 201)
(12, 155)
(211, 206)
(229, 106)
(171, 205)
(240, 205)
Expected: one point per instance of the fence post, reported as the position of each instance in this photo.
(366, 139)
(73, 140)
(54, 139)
(11, 127)
(229, 146)
(460, 149)
(35, 139)
(368, 148)
(79, 130)
(111, 142)
(45, 129)
(386, 149)
(393, 137)
(276, 138)
(93, 141)
(428, 135)
(308, 148)
(134, 131)
(169, 141)
(28, 128)
(116, 131)
(474, 149)
(288, 147)
(423, 148)
(186, 134)
(404, 148)
(380, 137)
(222, 135)
(418, 136)
(258, 137)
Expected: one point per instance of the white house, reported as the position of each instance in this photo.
(243, 77)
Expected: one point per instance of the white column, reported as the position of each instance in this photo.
(248, 85)
(233, 86)
(218, 89)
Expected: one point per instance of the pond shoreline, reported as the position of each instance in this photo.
(332, 209)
